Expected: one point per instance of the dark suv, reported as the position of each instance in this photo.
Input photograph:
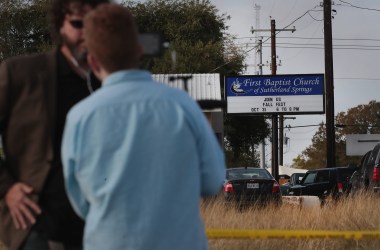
(324, 182)
(362, 177)
(367, 177)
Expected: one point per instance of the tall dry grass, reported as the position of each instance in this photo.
(352, 214)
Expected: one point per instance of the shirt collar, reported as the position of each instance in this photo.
(123, 76)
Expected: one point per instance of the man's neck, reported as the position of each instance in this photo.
(80, 68)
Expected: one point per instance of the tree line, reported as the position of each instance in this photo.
(362, 119)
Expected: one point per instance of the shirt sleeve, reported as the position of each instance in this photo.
(70, 162)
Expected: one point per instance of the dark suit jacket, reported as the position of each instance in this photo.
(27, 123)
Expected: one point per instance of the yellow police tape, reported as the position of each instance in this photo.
(288, 234)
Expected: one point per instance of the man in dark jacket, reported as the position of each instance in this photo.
(36, 92)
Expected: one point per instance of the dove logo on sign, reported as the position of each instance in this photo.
(235, 87)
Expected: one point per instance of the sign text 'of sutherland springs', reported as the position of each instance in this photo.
(275, 94)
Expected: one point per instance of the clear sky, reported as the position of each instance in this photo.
(356, 44)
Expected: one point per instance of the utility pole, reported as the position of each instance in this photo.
(262, 144)
(274, 117)
(329, 80)
(281, 142)
(275, 152)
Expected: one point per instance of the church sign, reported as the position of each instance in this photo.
(275, 94)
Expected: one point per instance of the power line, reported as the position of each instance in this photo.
(335, 48)
(298, 18)
(357, 78)
(308, 46)
(291, 10)
(318, 20)
(255, 47)
(304, 126)
(357, 7)
(314, 38)
(317, 44)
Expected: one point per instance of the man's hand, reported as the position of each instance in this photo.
(23, 209)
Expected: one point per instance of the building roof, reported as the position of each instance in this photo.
(200, 86)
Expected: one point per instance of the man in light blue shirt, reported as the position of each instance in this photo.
(137, 154)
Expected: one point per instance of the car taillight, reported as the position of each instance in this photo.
(376, 174)
(276, 187)
(228, 188)
(340, 187)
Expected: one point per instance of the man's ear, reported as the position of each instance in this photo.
(93, 63)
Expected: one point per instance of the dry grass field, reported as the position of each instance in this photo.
(351, 214)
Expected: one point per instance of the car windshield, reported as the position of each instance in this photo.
(249, 173)
(374, 154)
(309, 178)
(297, 178)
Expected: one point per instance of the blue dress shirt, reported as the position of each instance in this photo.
(137, 157)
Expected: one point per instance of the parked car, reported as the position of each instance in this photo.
(362, 177)
(295, 179)
(368, 177)
(250, 185)
(324, 182)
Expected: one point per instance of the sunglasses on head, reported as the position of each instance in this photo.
(77, 24)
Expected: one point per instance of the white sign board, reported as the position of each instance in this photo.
(275, 94)
(359, 144)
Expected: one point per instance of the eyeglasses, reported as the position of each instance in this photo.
(77, 24)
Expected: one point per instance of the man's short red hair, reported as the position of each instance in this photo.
(111, 36)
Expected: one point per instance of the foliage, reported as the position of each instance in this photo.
(363, 119)
(243, 134)
(196, 36)
(23, 27)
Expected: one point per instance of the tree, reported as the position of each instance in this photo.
(23, 27)
(362, 119)
(196, 34)
(243, 134)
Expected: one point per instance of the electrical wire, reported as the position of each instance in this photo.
(357, 78)
(298, 18)
(314, 38)
(255, 47)
(291, 10)
(317, 44)
(357, 7)
(321, 48)
(318, 20)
